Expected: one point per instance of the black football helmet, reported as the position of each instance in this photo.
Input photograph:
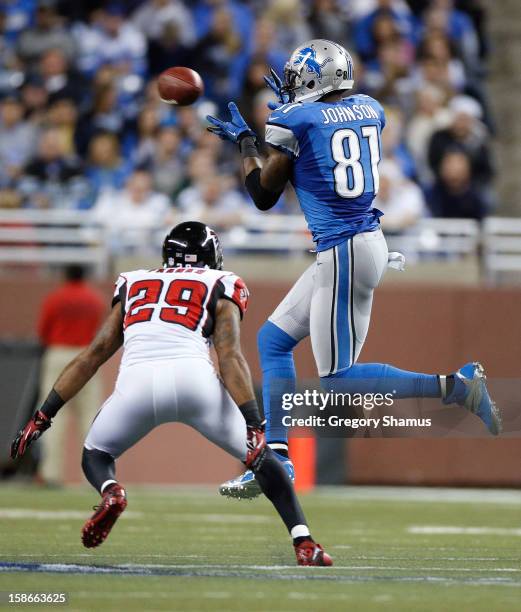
(192, 244)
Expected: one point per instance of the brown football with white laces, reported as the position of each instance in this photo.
(180, 85)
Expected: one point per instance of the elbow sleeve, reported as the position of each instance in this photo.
(262, 198)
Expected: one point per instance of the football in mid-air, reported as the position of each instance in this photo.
(180, 85)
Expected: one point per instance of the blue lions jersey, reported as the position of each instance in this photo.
(336, 149)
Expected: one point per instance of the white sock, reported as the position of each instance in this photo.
(278, 446)
(300, 531)
(443, 386)
(106, 484)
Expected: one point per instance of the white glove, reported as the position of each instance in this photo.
(396, 261)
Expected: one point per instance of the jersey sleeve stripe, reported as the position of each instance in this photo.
(282, 138)
(120, 292)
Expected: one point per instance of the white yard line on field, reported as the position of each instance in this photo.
(422, 494)
(189, 517)
(457, 530)
(54, 515)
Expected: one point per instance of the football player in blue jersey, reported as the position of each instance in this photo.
(327, 144)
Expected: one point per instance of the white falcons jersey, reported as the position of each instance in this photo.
(170, 312)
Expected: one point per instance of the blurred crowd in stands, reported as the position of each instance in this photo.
(82, 127)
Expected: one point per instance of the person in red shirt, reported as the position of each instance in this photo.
(69, 319)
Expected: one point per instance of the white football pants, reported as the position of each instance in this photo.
(332, 301)
(151, 393)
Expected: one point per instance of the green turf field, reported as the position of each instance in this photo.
(189, 549)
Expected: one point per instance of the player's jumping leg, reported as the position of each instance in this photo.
(276, 340)
(340, 315)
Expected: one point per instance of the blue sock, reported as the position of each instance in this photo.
(278, 377)
(384, 378)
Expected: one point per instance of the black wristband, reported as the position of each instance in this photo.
(52, 404)
(248, 146)
(251, 414)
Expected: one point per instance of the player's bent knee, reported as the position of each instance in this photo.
(273, 341)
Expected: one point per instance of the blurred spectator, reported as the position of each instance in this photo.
(291, 29)
(10, 197)
(53, 178)
(35, 99)
(16, 139)
(105, 115)
(454, 194)
(58, 79)
(16, 16)
(266, 54)
(131, 214)
(327, 21)
(147, 128)
(11, 68)
(153, 15)
(393, 143)
(465, 133)
(265, 47)
(190, 127)
(223, 154)
(47, 33)
(69, 318)
(112, 40)
(163, 161)
(221, 59)
(437, 47)
(398, 198)
(200, 165)
(431, 71)
(254, 85)
(388, 77)
(442, 17)
(167, 50)
(203, 13)
(169, 29)
(214, 200)
(365, 40)
(430, 115)
(63, 115)
(106, 170)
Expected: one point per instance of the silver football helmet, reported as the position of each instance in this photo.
(316, 68)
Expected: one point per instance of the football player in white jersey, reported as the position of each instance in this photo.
(166, 320)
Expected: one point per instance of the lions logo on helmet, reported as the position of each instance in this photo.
(308, 57)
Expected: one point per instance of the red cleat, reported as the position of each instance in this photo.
(311, 553)
(97, 528)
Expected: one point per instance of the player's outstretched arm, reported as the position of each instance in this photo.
(237, 377)
(73, 378)
(265, 182)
